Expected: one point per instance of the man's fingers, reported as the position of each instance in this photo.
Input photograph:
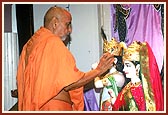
(107, 56)
(106, 62)
(109, 59)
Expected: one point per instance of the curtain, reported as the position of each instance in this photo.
(25, 24)
(10, 57)
(90, 100)
(141, 22)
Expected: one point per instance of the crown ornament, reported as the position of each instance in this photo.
(131, 53)
(114, 47)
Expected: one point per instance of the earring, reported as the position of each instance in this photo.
(137, 69)
(137, 72)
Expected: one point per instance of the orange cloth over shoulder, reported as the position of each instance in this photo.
(45, 67)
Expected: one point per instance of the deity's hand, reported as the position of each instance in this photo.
(112, 95)
(105, 81)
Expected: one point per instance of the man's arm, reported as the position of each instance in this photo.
(105, 63)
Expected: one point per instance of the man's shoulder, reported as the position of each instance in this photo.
(44, 34)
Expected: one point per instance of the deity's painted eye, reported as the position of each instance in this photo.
(127, 65)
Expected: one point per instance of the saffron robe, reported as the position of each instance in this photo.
(45, 67)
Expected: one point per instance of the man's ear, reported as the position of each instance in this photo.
(54, 22)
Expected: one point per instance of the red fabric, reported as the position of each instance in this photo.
(45, 67)
(155, 80)
(119, 101)
(138, 94)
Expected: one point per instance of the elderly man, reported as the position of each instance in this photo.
(47, 77)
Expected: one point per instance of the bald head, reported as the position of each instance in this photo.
(58, 21)
(56, 12)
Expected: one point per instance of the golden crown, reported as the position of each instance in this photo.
(114, 47)
(132, 52)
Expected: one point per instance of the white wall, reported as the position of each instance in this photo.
(85, 35)
(105, 19)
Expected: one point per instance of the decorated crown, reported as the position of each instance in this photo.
(132, 52)
(113, 47)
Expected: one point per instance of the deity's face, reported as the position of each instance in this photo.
(129, 69)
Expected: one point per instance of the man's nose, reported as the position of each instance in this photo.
(70, 30)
